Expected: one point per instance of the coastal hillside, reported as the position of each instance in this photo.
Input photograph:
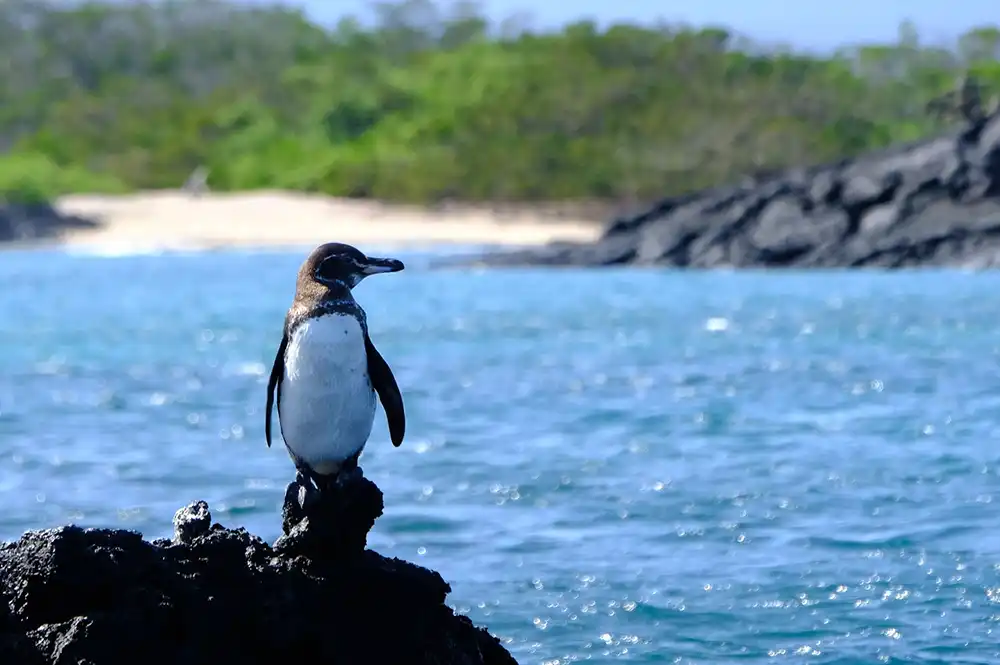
(429, 103)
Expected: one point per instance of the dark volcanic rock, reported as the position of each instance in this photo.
(214, 595)
(935, 202)
(36, 221)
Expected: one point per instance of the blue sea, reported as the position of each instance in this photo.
(612, 465)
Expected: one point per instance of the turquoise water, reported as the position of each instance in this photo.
(609, 466)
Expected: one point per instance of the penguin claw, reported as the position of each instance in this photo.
(308, 497)
(308, 491)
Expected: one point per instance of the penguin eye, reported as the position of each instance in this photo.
(331, 269)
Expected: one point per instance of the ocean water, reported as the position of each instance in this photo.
(621, 465)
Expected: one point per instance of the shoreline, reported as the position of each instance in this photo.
(174, 220)
(922, 204)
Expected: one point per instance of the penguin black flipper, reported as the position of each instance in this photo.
(274, 385)
(388, 392)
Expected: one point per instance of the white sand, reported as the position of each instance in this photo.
(176, 220)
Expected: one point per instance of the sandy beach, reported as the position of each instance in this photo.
(177, 220)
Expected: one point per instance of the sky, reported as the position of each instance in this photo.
(804, 24)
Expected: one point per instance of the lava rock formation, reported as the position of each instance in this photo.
(36, 221)
(215, 595)
(934, 202)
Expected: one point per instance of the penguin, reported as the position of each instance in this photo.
(327, 372)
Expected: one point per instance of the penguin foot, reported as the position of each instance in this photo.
(308, 492)
(348, 476)
(314, 489)
(309, 497)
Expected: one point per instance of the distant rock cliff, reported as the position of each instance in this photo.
(214, 595)
(935, 203)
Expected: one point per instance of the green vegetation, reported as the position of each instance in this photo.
(427, 103)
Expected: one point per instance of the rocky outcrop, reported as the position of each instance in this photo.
(215, 595)
(934, 203)
(36, 221)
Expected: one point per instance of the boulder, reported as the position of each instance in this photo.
(37, 221)
(217, 595)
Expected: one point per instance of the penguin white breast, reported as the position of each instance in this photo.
(327, 400)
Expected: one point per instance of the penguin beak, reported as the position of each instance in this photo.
(376, 265)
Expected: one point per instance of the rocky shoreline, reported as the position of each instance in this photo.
(216, 595)
(930, 203)
(26, 223)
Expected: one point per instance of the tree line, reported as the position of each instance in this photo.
(424, 102)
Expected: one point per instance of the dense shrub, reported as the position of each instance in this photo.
(428, 103)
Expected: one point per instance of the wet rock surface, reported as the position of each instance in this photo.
(931, 203)
(217, 595)
(36, 221)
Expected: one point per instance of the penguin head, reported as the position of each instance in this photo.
(337, 264)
